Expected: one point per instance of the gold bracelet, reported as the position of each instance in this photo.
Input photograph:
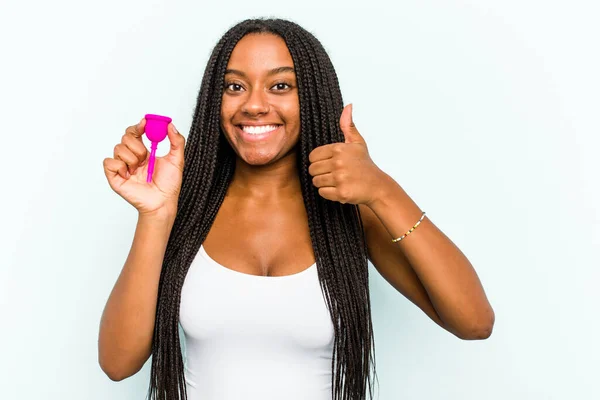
(411, 229)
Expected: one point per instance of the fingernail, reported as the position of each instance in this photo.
(128, 174)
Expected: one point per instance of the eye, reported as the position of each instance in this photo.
(234, 87)
(281, 86)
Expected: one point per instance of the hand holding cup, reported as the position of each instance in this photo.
(127, 171)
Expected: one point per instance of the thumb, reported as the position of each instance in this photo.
(351, 134)
(140, 128)
(177, 145)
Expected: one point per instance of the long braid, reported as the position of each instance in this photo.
(336, 229)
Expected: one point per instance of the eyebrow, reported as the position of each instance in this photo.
(274, 71)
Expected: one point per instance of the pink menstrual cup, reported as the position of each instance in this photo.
(156, 132)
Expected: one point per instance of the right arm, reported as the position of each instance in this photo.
(127, 323)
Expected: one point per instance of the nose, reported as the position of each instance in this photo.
(256, 103)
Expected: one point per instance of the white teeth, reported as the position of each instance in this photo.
(259, 129)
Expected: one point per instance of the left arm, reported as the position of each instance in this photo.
(425, 266)
(447, 276)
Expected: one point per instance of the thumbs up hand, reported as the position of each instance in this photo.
(344, 172)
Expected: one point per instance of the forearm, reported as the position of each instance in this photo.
(127, 323)
(449, 278)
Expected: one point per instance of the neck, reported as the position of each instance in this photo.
(271, 183)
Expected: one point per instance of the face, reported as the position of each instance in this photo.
(260, 110)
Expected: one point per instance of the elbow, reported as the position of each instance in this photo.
(118, 364)
(118, 373)
(111, 375)
(107, 365)
(480, 330)
(115, 378)
(114, 369)
(479, 333)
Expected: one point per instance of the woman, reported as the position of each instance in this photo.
(274, 177)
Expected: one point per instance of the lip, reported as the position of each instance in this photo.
(247, 137)
(255, 123)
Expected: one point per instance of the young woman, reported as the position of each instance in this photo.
(255, 237)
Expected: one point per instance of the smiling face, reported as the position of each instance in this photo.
(260, 110)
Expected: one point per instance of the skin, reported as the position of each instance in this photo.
(254, 94)
(265, 190)
(263, 218)
(262, 225)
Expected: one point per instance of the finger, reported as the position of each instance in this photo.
(124, 154)
(177, 145)
(137, 130)
(113, 167)
(329, 193)
(320, 167)
(136, 146)
(351, 134)
(322, 152)
(325, 180)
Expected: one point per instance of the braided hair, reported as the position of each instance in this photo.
(336, 229)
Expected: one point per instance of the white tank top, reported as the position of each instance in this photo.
(255, 337)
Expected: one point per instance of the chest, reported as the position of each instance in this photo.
(256, 334)
(270, 240)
